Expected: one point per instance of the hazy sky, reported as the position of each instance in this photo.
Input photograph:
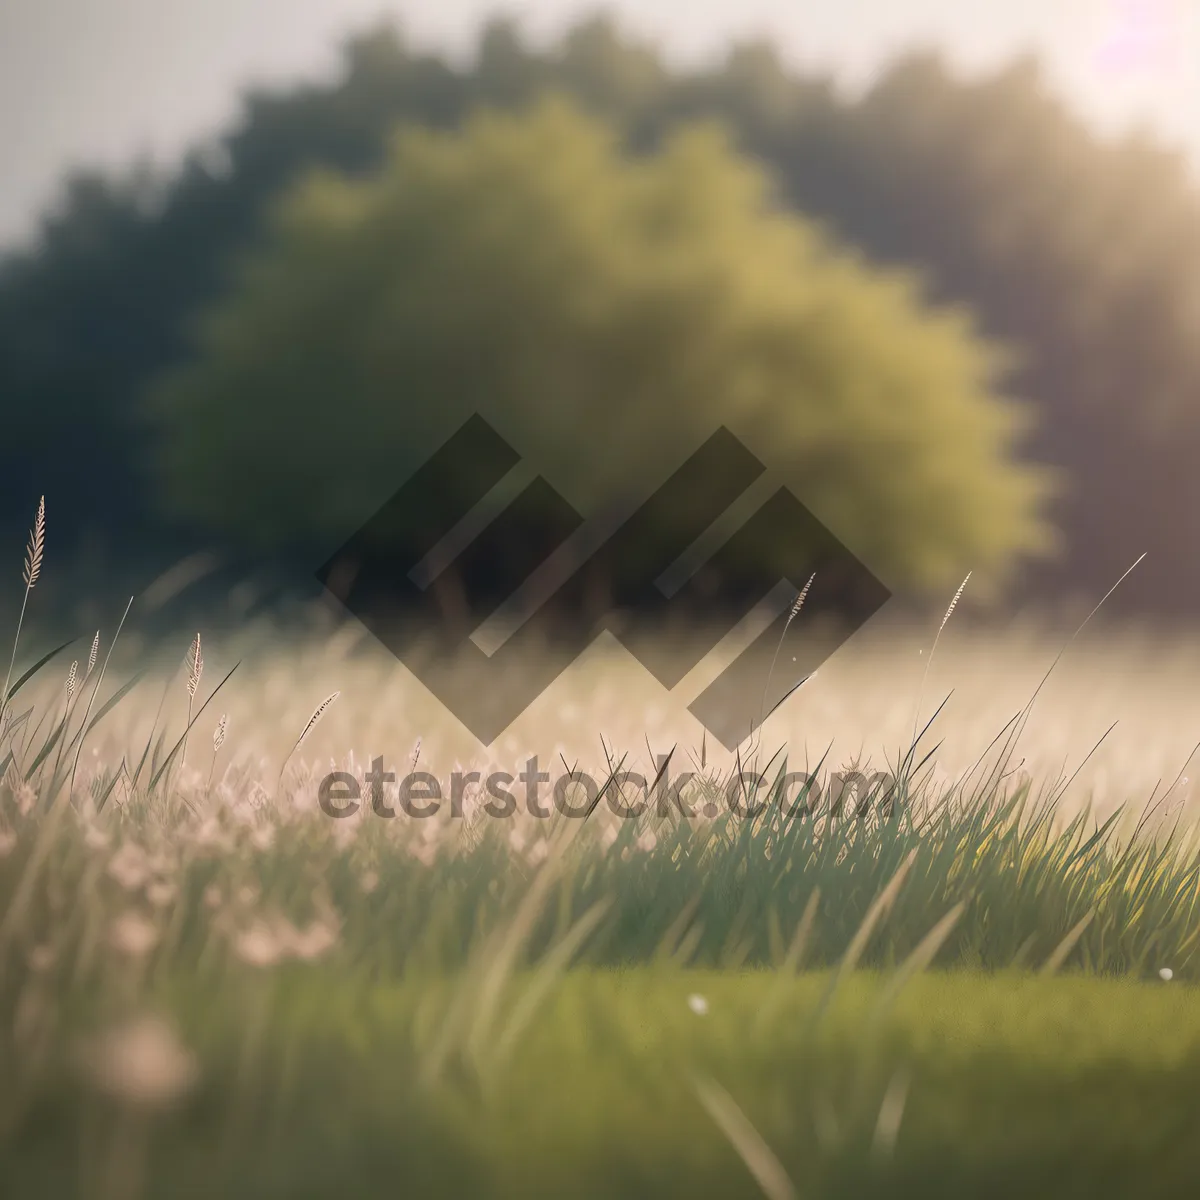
(90, 82)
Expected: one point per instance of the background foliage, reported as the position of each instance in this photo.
(1076, 250)
(605, 314)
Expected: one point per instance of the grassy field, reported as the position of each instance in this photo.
(981, 985)
(974, 1085)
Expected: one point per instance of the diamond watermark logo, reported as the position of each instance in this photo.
(427, 605)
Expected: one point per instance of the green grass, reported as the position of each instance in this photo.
(954, 994)
(438, 1033)
(1065, 1087)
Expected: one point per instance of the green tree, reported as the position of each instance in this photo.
(1075, 250)
(604, 312)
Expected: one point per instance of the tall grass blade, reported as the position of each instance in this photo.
(37, 666)
(96, 690)
(1063, 950)
(858, 943)
(919, 960)
(548, 972)
(759, 1158)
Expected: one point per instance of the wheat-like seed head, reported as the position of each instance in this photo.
(93, 652)
(799, 604)
(71, 679)
(317, 715)
(37, 543)
(954, 603)
(219, 732)
(195, 667)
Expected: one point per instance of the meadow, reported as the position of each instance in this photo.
(980, 984)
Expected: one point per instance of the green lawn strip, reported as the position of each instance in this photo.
(1063, 1087)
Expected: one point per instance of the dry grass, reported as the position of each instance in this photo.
(1132, 692)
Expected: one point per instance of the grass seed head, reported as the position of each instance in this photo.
(37, 544)
(195, 663)
(799, 603)
(954, 602)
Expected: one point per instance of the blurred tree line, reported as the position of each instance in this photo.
(606, 313)
(1077, 252)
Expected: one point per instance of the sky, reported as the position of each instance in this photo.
(99, 83)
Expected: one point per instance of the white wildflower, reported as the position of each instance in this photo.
(426, 853)
(95, 839)
(142, 1062)
(316, 939)
(210, 836)
(263, 838)
(133, 935)
(26, 797)
(129, 867)
(160, 893)
(259, 945)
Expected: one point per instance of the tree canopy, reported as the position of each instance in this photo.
(605, 313)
